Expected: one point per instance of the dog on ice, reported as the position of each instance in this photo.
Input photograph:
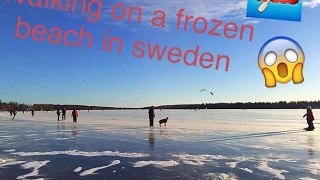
(163, 121)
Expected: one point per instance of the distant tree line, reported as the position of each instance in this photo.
(247, 105)
(13, 106)
(48, 107)
(239, 105)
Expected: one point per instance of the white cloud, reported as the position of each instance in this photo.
(252, 22)
(311, 3)
(118, 23)
(133, 29)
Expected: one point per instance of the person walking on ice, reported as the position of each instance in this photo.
(14, 114)
(309, 118)
(74, 115)
(151, 115)
(64, 114)
(58, 114)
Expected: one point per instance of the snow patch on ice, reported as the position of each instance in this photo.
(260, 147)
(221, 176)
(78, 169)
(197, 160)
(36, 165)
(10, 150)
(246, 169)
(61, 138)
(238, 160)
(264, 167)
(157, 163)
(232, 164)
(83, 153)
(11, 163)
(307, 178)
(8, 137)
(286, 160)
(92, 170)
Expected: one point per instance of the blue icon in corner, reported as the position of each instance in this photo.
(289, 10)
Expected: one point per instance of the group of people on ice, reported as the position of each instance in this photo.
(309, 116)
(74, 114)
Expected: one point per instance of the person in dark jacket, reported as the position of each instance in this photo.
(58, 114)
(14, 114)
(151, 115)
(64, 114)
(309, 118)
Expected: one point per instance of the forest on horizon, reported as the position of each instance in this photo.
(7, 106)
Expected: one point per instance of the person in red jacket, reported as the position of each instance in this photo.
(310, 119)
(74, 115)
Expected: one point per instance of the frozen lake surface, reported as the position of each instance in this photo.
(118, 144)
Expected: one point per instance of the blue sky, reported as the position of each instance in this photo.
(40, 72)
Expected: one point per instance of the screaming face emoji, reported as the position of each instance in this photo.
(281, 59)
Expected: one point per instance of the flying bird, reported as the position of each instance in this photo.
(211, 93)
(202, 90)
(138, 99)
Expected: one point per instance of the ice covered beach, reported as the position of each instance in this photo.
(119, 144)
